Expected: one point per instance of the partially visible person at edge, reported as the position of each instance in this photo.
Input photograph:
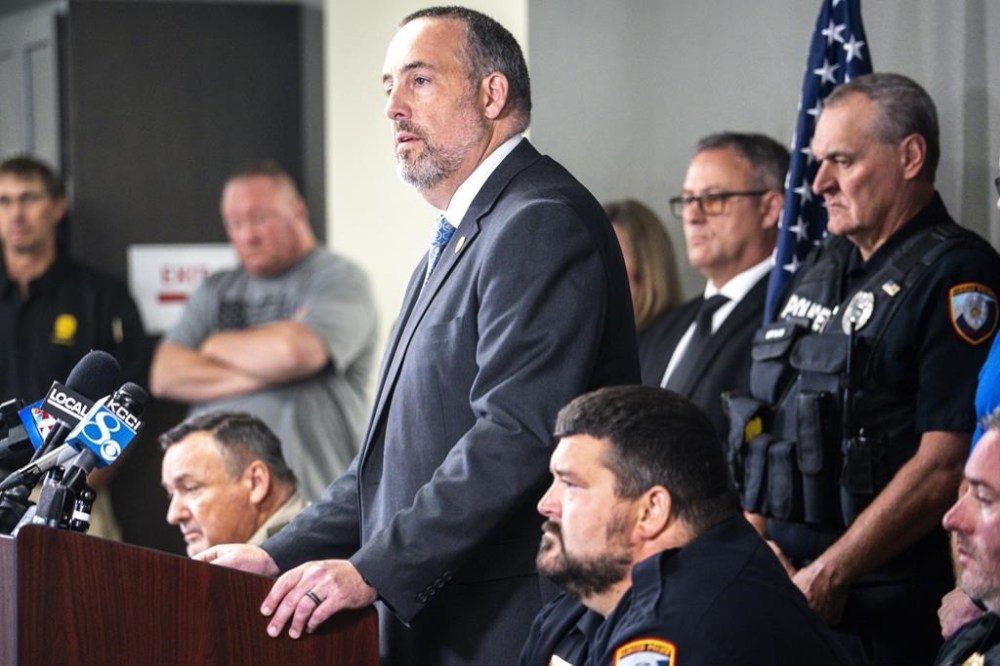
(956, 607)
(974, 521)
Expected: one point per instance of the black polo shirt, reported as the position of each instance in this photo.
(69, 310)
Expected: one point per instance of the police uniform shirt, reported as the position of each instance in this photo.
(560, 634)
(931, 349)
(932, 329)
(722, 599)
(976, 643)
(70, 310)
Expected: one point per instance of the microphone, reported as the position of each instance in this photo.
(103, 435)
(16, 437)
(100, 438)
(118, 413)
(94, 375)
(30, 473)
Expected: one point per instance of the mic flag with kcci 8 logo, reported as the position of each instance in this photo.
(101, 437)
(111, 424)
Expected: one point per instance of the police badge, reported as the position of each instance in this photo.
(973, 310)
(858, 311)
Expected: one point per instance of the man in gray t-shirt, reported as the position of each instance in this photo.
(288, 336)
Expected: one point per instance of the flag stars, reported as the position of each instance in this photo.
(834, 33)
(814, 110)
(853, 48)
(805, 192)
(826, 72)
(800, 230)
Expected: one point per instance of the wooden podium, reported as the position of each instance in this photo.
(68, 598)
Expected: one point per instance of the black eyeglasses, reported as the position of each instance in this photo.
(713, 203)
(996, 184)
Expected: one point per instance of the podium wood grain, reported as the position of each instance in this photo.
(68, 598)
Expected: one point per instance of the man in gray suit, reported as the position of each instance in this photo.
(516, 311)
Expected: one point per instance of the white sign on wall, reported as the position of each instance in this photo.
(162, 277)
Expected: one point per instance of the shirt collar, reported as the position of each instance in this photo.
(738, 286)
(467, 191)
(933, 213)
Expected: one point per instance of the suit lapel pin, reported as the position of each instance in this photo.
(460, 245)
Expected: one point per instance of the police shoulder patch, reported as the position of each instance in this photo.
(646, 652)
(973, 310)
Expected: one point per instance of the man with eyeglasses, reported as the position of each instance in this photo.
(288, 336)
(852, 442)
(54, 309)
(730, 205)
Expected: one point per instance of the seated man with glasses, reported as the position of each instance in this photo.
(53, 309)
(730, 205)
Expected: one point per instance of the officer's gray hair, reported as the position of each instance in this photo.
(991, 421)
(903, 108)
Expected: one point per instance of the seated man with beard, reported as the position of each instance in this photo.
(644, 531)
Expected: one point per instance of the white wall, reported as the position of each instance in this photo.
(623, 90)
(374, 217)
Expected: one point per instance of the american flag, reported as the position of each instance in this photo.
(838, 53)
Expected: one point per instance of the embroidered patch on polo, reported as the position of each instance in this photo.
(973, 310)
(64, 329)
(646, 651)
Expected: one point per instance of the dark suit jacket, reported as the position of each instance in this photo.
(726, 360)
(528, 308)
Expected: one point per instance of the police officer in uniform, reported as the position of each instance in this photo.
(643, 529)
(852, 441)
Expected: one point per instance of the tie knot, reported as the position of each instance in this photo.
(442, 232)
(708, 308)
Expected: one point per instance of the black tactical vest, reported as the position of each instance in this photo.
(817, 439)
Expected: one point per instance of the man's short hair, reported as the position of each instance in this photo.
(768, 159)
(902, 108)
(242, 438)
(265, 169)
(991, 421)
(489, 47)
(27, 167)
(657, 437)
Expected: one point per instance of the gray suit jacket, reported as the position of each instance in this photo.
(528, 307)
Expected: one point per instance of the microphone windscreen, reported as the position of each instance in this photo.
(95, 374)
(133, 397)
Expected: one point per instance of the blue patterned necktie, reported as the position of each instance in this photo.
(442, 234)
